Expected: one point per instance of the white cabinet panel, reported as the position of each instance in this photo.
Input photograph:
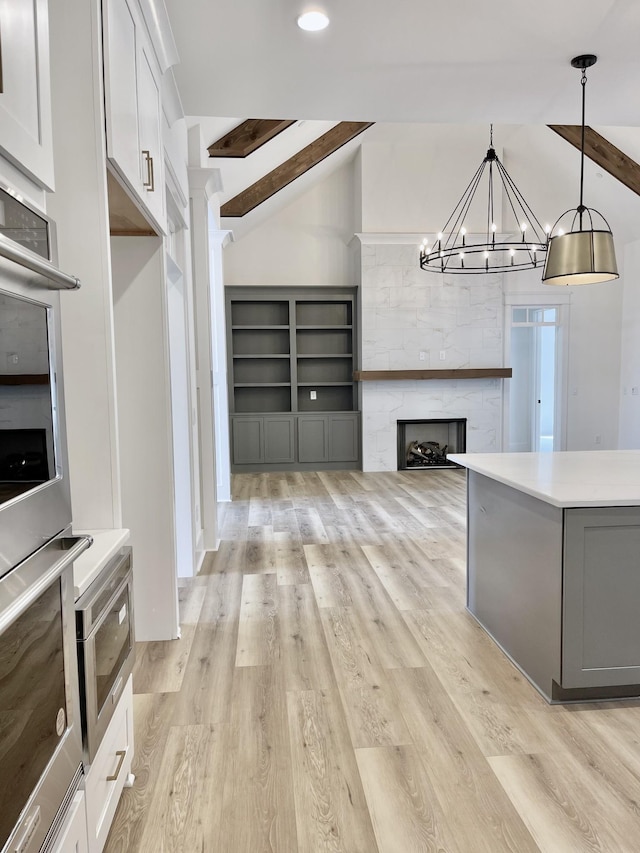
(25, 96)
(106, 776)
(149, 115)
(133, 108)
(73, 834)
(121, 94)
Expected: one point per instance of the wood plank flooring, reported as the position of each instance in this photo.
(331, 694)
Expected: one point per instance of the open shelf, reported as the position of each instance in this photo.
(262, 399)
(256, 371)
(24, 379)
(250, 327)
(329, 398)
(326, 313)
(260, 341)
(263, 313)
(319, 342)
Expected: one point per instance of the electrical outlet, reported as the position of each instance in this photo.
(313, 395)
(443, 355)
(423, 355)
(598, 439)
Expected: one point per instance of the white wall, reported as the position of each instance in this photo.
(79, 207)
(144, 426)
(305, 243)
(412, 186)
(630, 350)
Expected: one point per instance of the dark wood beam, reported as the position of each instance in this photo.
(603, 153)
(292, 168)
(247, 137)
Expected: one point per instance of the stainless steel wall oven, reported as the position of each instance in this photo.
(34, 484)
(40, 730)
(104, 625)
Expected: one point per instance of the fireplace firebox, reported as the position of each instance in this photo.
(426, 444)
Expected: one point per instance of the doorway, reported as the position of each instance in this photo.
(534, 421)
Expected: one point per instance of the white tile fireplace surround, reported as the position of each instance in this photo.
(407, 311)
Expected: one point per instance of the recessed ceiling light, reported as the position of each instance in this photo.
(313, 21)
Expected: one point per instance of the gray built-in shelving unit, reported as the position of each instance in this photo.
(293, 401)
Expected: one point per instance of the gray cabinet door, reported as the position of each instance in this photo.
(601, 597)
(279, 439)
(344, 437)
(247, 435)
(313, 439)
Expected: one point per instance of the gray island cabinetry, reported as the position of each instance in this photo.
(553, 566)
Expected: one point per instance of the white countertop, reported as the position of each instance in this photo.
(566, 479)
(88, 565)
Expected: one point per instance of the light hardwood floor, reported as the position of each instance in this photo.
(331, 693)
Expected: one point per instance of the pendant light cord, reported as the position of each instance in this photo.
(581, 207)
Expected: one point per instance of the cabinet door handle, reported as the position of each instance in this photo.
(149, 184)
(121, 753)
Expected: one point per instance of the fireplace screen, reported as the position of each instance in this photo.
(428, 443)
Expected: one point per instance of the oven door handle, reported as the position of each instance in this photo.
(58, 280)
(48, 576)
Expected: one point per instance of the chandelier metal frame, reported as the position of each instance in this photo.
(454, 252)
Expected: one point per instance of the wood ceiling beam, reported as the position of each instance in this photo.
(603, 153)
(292, 168)
(248, 137)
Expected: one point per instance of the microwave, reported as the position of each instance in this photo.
(106, 647)
(35, 502)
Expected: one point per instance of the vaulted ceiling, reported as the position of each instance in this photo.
(407, 66)
(409, 61)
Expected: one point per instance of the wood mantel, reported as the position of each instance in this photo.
(459, 373)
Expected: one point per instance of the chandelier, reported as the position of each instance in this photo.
(584, 255)
(455, 251)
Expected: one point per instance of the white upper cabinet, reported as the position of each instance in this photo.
(25, 98)
(149, 118)
(133, 108)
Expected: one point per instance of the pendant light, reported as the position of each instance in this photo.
(454, 251)
(583, 254)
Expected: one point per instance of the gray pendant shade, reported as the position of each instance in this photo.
(580, 257)
(584, 255)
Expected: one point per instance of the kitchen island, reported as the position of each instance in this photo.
(553, 566)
